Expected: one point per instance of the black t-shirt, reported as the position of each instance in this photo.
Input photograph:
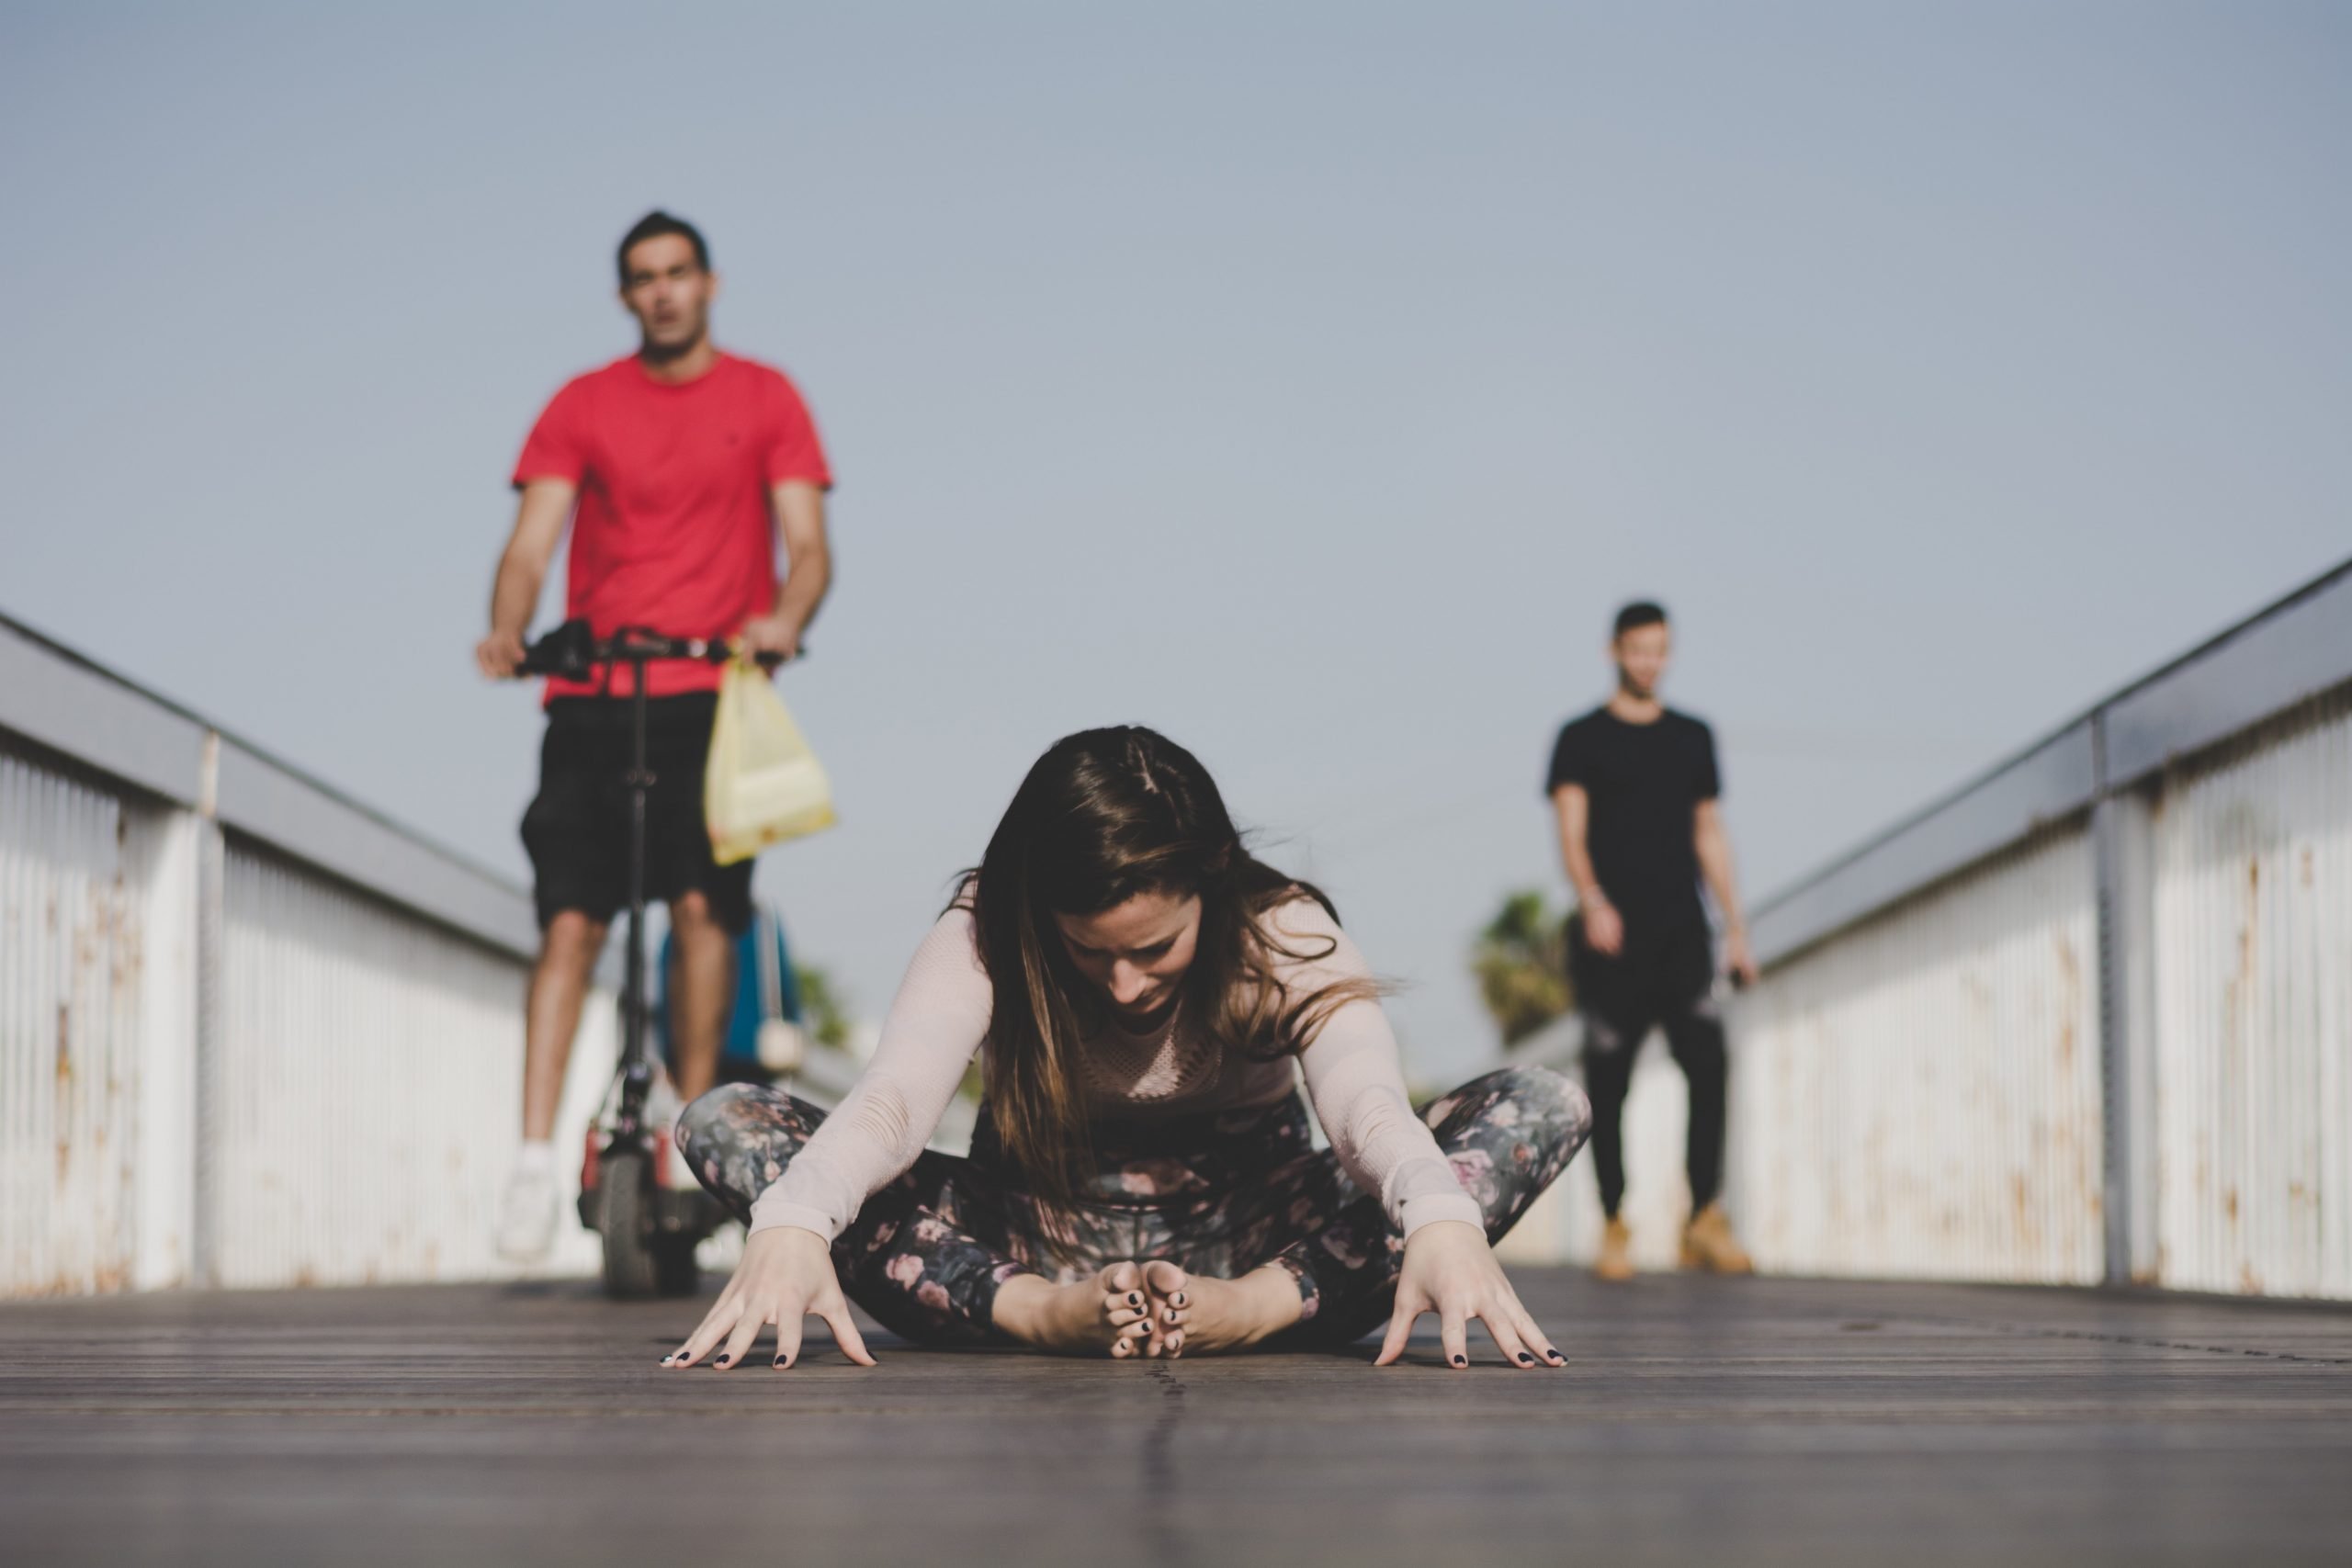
(1645, 782)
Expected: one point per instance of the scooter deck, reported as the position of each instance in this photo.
(675, 1212)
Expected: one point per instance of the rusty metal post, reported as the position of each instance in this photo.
(162, 872)
(212, 854)
(2123, 842)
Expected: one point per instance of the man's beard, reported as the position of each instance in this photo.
(656, 350)
(1632, 688)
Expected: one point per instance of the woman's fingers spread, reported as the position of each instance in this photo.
(714, 1324)
(747, 1329)
(1531, 1334)
(1504, 1332)
(788, 1341)
(1453, 1332)
(1400, 1329)
(847, 1335)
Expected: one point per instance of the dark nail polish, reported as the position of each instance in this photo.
(1134, 1300)
(780, 1361)
(1555, 1356)
(1525, 1360)
(1460, 1360)
(722, 1360)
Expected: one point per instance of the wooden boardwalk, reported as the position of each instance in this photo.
(1700, 1421)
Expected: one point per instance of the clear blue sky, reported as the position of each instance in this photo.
(1308, 381)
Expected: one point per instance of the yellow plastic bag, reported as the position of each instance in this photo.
(764, 784)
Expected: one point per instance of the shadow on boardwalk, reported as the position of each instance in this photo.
(1750, 1422)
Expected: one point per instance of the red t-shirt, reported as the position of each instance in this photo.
(673, 530)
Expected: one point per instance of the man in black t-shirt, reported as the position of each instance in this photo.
(1635, 786)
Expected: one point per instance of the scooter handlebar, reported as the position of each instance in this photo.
(573, 652)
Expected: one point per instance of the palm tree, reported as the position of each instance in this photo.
(827, 1020)
(1521, 962)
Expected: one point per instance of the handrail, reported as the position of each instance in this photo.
(68, 702)
(2293, 649)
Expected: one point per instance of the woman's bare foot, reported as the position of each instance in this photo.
(1107, 1315)
(1225, 1315)
(1168, 1302)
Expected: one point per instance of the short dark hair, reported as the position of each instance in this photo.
(653, 226)
(1639, 614)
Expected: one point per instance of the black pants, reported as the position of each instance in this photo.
(577, 830)
(1220, 1193)
(1659, 979)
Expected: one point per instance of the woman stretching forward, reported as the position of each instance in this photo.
(1140, 1180)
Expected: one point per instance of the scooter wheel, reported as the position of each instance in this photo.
(632, 1263)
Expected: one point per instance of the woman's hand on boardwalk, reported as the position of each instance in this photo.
(1450, 1270)
(787, 1274)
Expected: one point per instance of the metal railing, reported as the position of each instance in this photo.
(2088, 1018)
(250, 1032)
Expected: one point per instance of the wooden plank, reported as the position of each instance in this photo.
(1757, 1421)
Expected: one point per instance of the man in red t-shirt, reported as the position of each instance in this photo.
(677, 468)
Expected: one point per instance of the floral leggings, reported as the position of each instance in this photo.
(1219, 1193)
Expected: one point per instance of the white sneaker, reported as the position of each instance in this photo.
(527, 1215)
(679, 1175)
(662, 1106)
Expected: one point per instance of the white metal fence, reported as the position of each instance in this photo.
(249, 1033)
(1922, 1097)
(363, 1106)
(70, 956)
(2088, 1018)
(2253, 1072)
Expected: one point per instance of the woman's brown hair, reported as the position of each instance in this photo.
(1104, 815)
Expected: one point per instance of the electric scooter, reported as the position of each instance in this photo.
(649, 1229)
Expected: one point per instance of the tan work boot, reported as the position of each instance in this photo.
(1616, 1261)
(1707, 1243)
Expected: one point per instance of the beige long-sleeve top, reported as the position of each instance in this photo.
(939, 1021)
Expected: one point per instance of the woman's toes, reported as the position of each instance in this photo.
(1123, 1285)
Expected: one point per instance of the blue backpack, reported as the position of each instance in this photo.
(765, 988)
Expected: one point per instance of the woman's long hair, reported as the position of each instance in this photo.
(1104, 815)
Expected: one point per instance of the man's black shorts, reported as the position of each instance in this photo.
(1664, 969)
(577, 830)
